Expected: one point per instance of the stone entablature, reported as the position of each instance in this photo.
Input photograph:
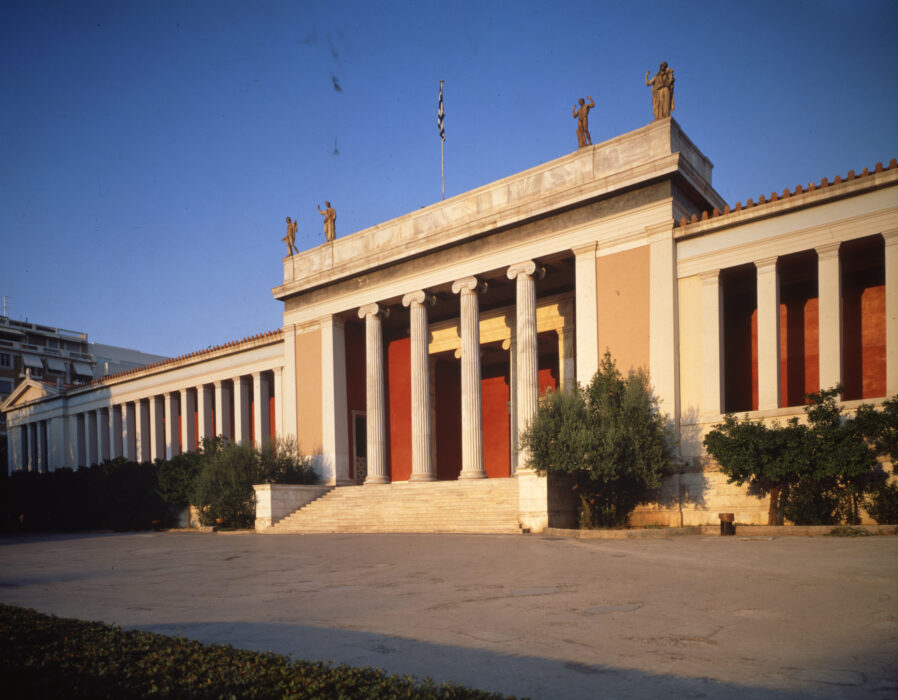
(657, 151)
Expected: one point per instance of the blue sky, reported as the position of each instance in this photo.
(150, 151)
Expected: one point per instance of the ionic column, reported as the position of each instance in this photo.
(157, 428)
(188, 426)
(75, 448)
(768, 290)
(422, 433)
(586, 312)
(829, 293)
(15, 449)
(241, 410)
(712, 343)
(172, 446)
(102, 420)
(129, 431)
(280, 424)
(143, 430)
(261, 418)
(116, 432)
(90, 440)
(204, 403)
(891, 262)
(566, 369)
(374, 391)
(42, 463)
(528, 360)
(33, 462)
(511, 345)
(223, 400)
(471, 412)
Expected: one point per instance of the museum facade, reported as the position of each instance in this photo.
(416, 350)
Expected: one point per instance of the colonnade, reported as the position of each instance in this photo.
(829, 299)
(157, 426)
(525, 377)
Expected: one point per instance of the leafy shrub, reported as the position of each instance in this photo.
(223, 489)
(43, 656)
(281, 463)
(176, 477)
(815, 474)
(609, 437)
(223, 492)
(115, 495)
(882, 504)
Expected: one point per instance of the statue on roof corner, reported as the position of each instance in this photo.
(330, 221)
(662, 91)
(290, 238)
(582, 117)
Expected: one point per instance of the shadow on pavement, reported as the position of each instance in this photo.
(523, 676)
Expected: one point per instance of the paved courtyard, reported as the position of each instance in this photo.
(527, 615)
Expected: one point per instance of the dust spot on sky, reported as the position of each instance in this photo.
(336, 150)
(336, 83)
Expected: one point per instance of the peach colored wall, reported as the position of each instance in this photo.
(308, 391)
(622, 298)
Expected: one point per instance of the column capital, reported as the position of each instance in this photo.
(468, 284)
(711, 277)
(828, 251)
(374, 309)
(333, 321)
(891, 237)
(765, 263)
(587, 249)
(528, 267)
(418, 298)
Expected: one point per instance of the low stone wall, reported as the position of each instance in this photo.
(276, 501)
(545, 501)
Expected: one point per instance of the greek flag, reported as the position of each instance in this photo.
(441, 114)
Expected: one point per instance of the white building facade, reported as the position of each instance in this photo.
(416, 350)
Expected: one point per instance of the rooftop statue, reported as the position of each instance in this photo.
(290, 238)
(582, 117)
(330, 221)
(662, 91)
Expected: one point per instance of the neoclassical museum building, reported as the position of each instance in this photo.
(413, 352)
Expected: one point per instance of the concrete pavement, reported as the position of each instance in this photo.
(534, 616)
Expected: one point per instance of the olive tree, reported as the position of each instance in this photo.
(609, 437)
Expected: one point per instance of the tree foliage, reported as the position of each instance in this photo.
(608, 437)
(815, 473)
(223, 490)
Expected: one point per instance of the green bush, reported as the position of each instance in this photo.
(43, 656)
(223, 490)
(882, 504)
(281, 463)
(176, 477)
(609, 437)
(816, 474)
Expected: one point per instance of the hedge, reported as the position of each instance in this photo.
(42, 656)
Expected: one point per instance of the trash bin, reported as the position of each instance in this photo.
(727, 524)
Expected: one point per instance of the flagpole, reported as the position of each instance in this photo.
(442, 143)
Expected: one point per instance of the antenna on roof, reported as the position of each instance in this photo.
(4, 304)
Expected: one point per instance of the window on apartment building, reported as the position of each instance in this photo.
(5, 360)
(5, 387)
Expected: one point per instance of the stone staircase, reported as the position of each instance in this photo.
(483, 505)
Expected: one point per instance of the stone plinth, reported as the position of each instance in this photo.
(276, 501)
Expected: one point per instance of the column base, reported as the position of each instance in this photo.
(422, 477)
(471, 475)
(377, 480)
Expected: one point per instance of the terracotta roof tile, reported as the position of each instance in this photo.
(190, 355)
(798, 190)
